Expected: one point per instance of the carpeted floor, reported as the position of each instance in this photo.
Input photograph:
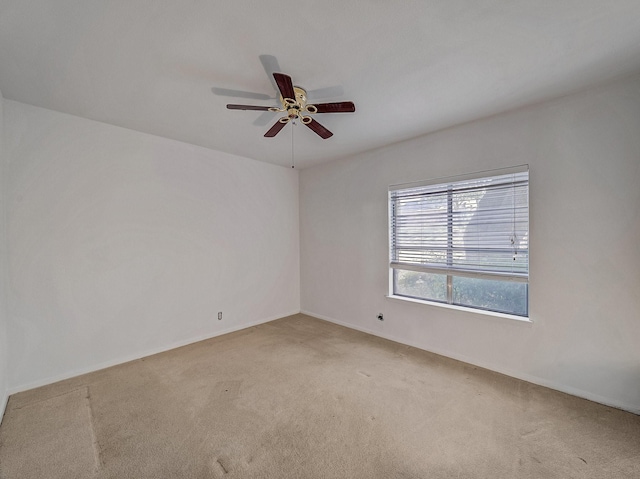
(303, 398)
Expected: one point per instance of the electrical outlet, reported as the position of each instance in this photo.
(380, 317)
(219, 315)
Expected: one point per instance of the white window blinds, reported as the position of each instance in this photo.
(463, 226)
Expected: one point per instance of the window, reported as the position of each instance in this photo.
(463, 241)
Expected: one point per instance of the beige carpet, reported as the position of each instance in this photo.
(302, 398)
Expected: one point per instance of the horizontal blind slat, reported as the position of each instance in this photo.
(477, 225)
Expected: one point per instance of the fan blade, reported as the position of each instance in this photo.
(275, 129)
(327, 92)
(271, 65)
(240, 94)
(338, 107)
(285, 85)
(264, 118)
(319, 129)
(248, 107)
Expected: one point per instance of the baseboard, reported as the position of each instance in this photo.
(133, 357)
(515, 374)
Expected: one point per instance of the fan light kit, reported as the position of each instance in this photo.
(294, 103)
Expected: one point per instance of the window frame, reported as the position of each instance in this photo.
(450, 271)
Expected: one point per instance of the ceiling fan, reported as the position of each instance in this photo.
(294, 103)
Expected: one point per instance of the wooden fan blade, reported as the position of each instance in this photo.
(275, 129)
(337, 107)
(285, 85)
(319, 129)
(248, 107)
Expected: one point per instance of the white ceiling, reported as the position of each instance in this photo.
(411, 67)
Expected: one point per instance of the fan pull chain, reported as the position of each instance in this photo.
(293, 124)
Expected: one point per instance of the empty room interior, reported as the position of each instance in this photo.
(314, 239)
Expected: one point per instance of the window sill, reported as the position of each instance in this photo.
(520, 319)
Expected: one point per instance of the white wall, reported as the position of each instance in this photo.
(122, 244)
(4, 356)
(584, 157)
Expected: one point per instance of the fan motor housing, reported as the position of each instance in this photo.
(299, 102)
